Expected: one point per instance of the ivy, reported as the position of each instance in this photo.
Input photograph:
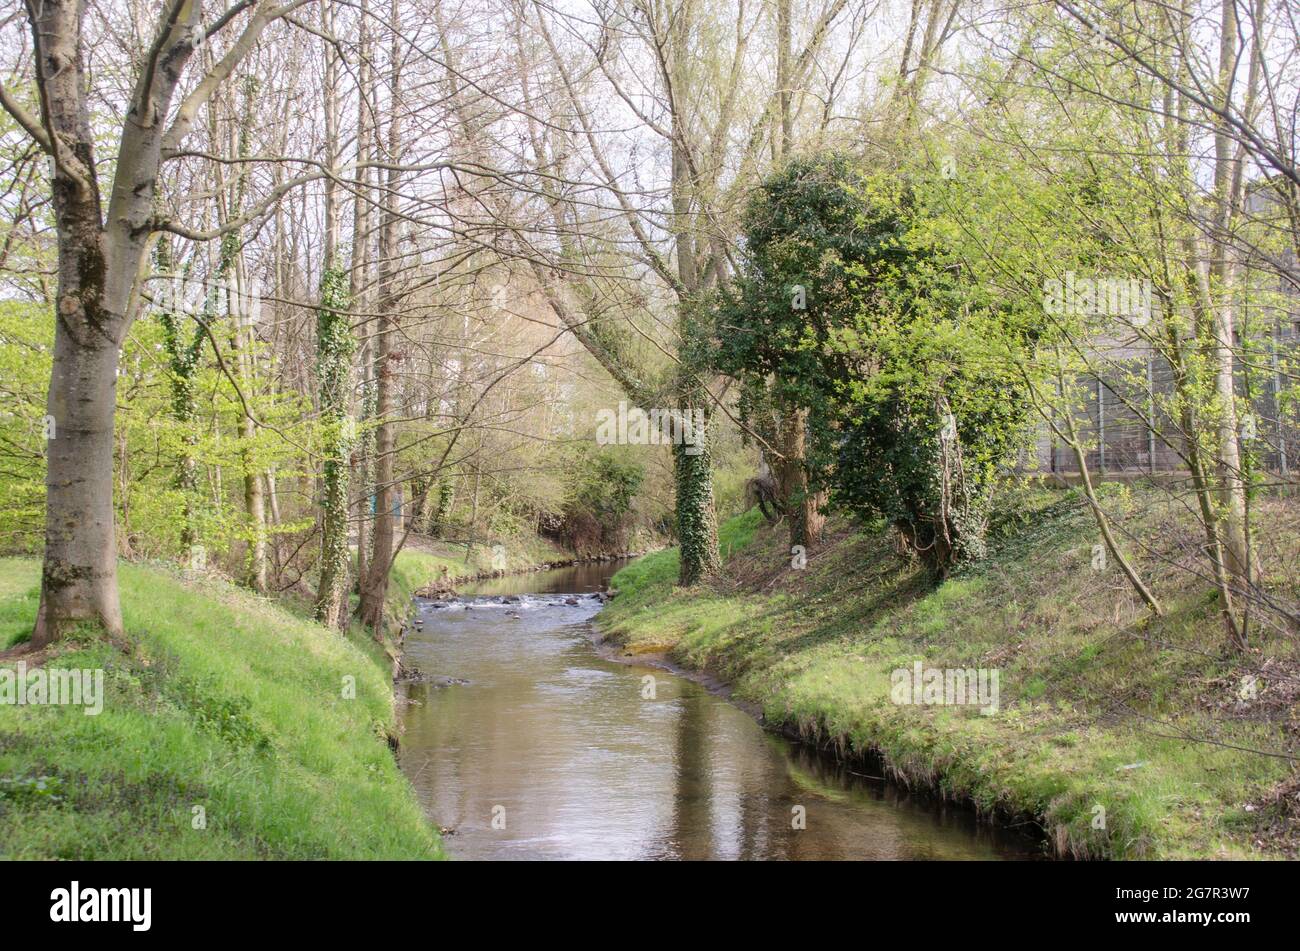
(335, 346)
(850, 305)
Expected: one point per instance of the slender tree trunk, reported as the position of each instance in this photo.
(1191, 375)
(358, 279)
(1071, 438)
(374, 590)
(366, 475)
(334, 372)
(782, 138)
(254, 497)
(273, 497)
(231, 285)
(1227, 186)
(334, 348)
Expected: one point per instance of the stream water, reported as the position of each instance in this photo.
(526, 743)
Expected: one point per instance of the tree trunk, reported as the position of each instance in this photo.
(79, 577)
(99, 257)
(374, 590)
(1228, 197)
(697, 521)
(366, 477)
(334, 347)
(334, 371)
(254, 497)
(802, 505)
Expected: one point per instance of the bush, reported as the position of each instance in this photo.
(597, 515)
(854, 308)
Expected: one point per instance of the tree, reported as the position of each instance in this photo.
(388, 497)
(184, 347)
(852, 305)
(688, 73)
(335, 345)
(100, 254)
(1127, 148)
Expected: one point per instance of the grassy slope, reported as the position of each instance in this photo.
(224, 701)
(1086, 686)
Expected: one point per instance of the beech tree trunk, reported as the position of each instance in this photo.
(79, 577)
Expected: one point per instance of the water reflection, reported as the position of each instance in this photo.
(560, 747)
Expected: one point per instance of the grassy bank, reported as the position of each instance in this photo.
(1124, 736)
(219, 701)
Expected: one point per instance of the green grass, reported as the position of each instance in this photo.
(657, 570)
(1089, 685)
(225, 702)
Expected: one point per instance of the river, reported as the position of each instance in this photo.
(526, 743)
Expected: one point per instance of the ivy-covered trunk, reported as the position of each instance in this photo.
(365, 481)
(334, 346)
(183, 351)
(697, 521)
(441, 513)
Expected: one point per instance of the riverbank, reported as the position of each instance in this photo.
(427, 563)
(1116, 733)
(230, 729)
